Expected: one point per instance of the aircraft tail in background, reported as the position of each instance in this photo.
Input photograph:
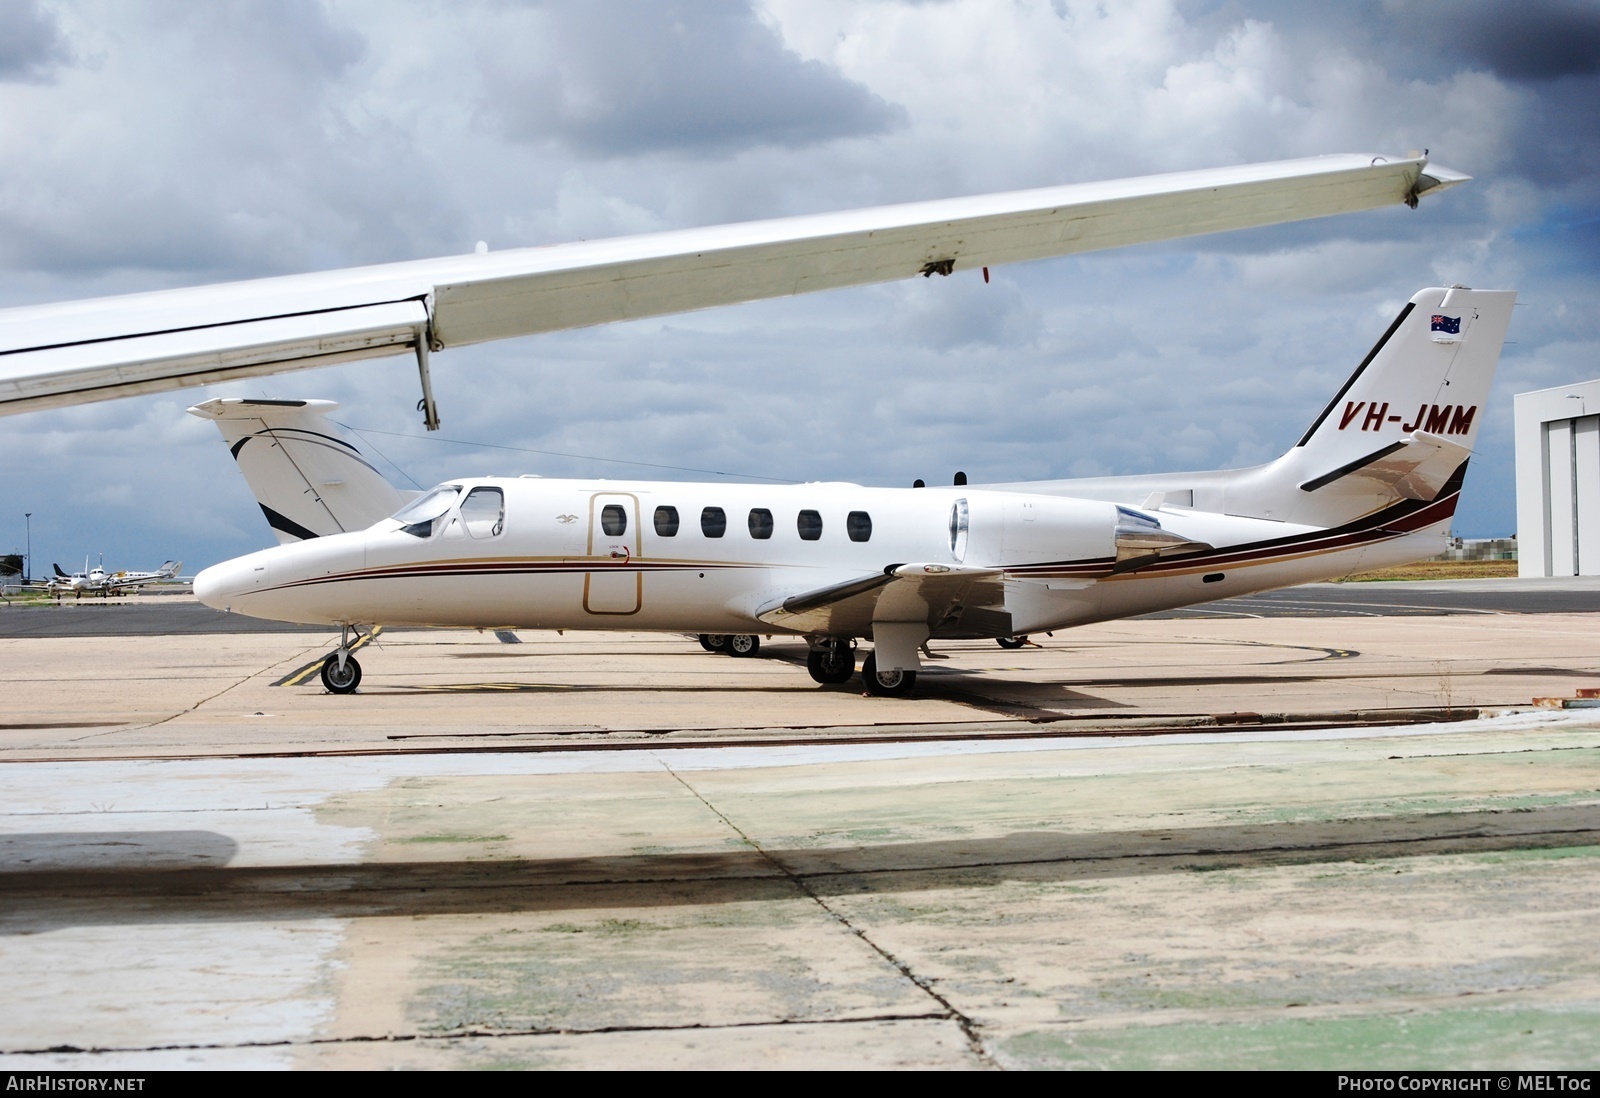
(309, 479)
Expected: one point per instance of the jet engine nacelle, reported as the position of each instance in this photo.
(1011, 529)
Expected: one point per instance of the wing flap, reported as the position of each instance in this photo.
(98, 349)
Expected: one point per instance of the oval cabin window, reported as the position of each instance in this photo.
(760, 523)
(614, 520)
(713, 522)
(667, 522)
(858, 524)
(810, 525)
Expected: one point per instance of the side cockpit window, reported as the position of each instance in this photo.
(484, 512)
(418, 517)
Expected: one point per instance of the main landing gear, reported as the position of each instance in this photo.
(886, 684)
(1012, 642)
(833, 661)
(734, 644)
(341, 674)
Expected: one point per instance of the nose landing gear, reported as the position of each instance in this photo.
(341, 674)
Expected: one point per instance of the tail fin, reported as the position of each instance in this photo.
(169, 569)
(309, 480)
(59, 572)
(1404, 424)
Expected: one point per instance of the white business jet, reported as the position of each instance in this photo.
(829, 562)
(1373, 481)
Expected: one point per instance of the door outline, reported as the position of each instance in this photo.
(632, 548)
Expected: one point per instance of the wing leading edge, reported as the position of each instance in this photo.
(98, 349)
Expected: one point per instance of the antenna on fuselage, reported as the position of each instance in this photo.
(961, 478)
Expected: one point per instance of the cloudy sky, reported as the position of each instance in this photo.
(152, 145)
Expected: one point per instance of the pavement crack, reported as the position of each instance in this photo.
(480, 1032)
(182, 712)
(969, 1028)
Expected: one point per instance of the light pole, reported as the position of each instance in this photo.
(27, 561)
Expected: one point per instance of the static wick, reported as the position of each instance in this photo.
(986, 275)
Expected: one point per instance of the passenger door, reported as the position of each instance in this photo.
(614, 583)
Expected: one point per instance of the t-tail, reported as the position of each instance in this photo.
(308, 477)
(1403, 426)
(1395, 437)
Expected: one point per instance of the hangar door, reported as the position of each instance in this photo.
(1572, 496)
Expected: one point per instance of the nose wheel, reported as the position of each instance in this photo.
(341, 679)
(341, 674)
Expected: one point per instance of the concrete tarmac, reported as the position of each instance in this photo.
(1178, 843)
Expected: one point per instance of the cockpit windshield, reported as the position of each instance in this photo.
(418, 516)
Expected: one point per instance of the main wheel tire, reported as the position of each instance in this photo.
(1011, 642)
(714, 642)
(886, 684)
(339, 682)
(743, 644)
(831, 665)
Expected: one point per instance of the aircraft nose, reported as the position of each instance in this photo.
(221, 585)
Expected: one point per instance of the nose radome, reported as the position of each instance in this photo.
(219, 585)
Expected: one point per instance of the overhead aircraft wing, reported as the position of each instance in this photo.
(930, 593)
(80, 351)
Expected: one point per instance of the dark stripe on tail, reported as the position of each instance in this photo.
(286, 524)
(1372, 354)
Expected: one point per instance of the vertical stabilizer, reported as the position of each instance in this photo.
(1405, 422)
(308, 478)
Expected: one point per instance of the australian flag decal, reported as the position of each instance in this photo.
(1451, 325)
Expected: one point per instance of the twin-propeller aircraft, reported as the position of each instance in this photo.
(1373, 480)
(97, 581)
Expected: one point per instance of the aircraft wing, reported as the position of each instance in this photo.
(80, 351)
(931, 593)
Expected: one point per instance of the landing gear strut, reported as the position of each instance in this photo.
(341, 674)
(832, 662)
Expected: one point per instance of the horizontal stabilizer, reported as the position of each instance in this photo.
(1416, 467)
(75, 352)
